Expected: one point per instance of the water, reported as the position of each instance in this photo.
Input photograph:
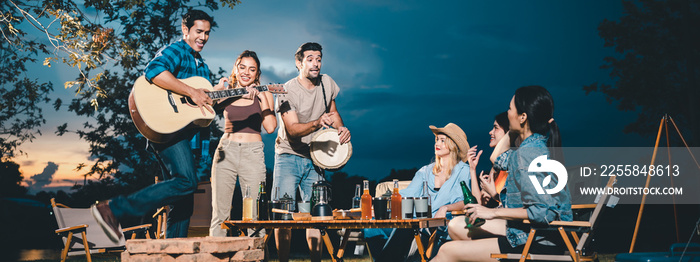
(45, 255)
(32, 254)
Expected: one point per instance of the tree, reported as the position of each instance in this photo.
(401, 174)
(343, 187)
(20, 96)
(108, 43)
(11, 180)
(657, 69)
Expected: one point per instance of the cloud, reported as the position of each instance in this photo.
(39, 181)
(27, 163)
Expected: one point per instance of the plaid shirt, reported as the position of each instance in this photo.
(183, 62)
(179, 59)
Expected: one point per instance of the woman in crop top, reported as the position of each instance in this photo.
(239, 155)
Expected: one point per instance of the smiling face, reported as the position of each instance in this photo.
(441, 147)
(197, 35)
(310, 65)
(496, 134)
(247, 72)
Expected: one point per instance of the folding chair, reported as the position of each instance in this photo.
(81, 232)
(568, 230)
(161, 217)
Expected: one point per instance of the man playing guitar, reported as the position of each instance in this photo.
(176, 61)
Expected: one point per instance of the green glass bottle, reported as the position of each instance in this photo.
(470, 199)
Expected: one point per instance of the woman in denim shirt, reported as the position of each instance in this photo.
(531, 121)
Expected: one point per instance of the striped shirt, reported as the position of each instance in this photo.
(179, 59)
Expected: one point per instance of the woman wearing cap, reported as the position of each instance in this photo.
(531, 121)
(443, 175)
(443, 178)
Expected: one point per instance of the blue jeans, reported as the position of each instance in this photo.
(177, 190)
(292, 171)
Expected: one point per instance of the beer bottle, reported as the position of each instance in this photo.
(262, 202)
(426, 193)
(470, 199)
(247, 205)
(357, 198)
(396, 201)
(366, 205)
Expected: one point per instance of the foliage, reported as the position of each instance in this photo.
(343, 187)
(108, 43)
(401, 174)
(657, 69)
(11, 180)
(20, 96)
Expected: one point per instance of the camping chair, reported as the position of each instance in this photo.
(568, 230)
(161, 217)
(81, 232)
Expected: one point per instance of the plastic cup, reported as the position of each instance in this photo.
(304, 206)
(407, 207)
(421, 205)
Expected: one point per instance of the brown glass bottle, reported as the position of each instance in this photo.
(396, 201)
(366, 205)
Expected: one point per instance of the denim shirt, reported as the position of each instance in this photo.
(519, 192)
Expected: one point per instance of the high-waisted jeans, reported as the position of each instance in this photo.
(233, 161)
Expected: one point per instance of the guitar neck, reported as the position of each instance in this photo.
(234, 92)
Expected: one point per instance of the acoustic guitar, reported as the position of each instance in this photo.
(160, 114)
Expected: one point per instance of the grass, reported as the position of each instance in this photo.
(54, 255)
(116, 257)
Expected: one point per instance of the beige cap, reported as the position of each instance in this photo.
(457, 135)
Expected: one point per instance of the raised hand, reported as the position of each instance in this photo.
(473, 156)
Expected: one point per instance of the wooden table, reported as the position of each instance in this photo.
(415, 224)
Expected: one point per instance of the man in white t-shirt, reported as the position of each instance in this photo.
(308, 106)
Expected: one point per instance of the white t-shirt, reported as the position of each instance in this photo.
(309, 106)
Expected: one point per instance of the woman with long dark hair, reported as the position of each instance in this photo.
(531, 121)
(240, 155)
(491, 186)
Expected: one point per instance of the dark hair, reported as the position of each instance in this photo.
(299, 55)
(502, 120)
(194, 15)
(537, 103)
(246, 53)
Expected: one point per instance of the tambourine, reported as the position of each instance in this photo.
(327, 152)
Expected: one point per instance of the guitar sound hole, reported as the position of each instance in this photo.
(188, 101)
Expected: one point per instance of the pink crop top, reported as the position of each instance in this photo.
(243, 119)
